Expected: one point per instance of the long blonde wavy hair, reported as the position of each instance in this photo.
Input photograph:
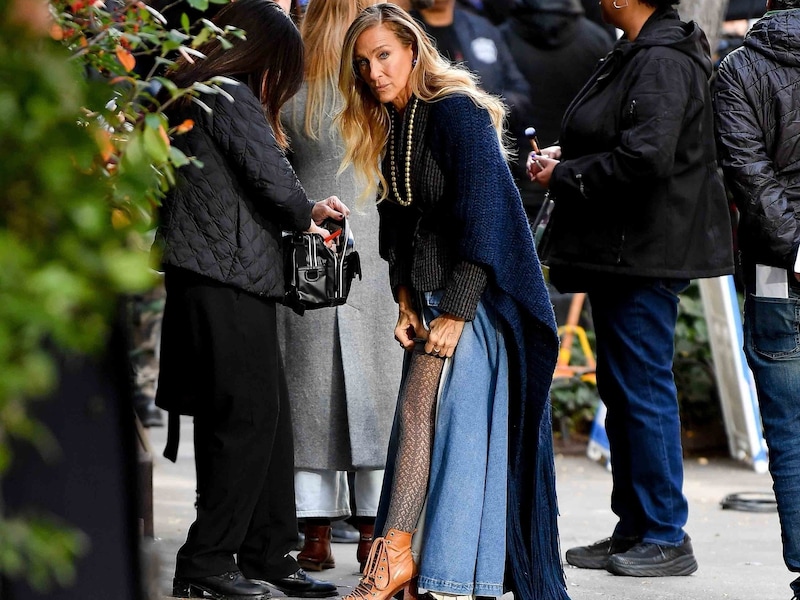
(365, 122)
(323, 29)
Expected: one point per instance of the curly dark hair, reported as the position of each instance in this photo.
(661, 4)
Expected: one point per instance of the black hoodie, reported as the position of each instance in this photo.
(756, 96)
(638, 191)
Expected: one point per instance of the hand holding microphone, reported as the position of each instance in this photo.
(540, 163)
(530, 133)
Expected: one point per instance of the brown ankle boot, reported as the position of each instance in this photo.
(367, 531)
(389, 569)
(316, 553)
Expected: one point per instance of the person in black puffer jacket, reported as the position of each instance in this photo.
(639, 210)
(219, 239)
(756, 98)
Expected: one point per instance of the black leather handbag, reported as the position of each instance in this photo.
(317, 276)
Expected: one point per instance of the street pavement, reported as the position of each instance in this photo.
(739, 552)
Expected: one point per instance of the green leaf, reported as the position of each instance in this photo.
(177, 158)
(185, 22)
(155, 145)
(153, 121)
(201, 38)
(198, 4)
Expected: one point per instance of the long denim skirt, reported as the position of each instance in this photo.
(461, 537)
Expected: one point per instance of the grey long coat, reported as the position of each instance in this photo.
(343, 365)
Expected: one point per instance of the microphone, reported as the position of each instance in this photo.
(530, 133)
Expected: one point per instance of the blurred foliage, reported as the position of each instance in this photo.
(85, 159)
(693, 364)
(574, 401)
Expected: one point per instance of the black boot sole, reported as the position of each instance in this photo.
(291, 594)
(306, 594)
(677, 567)
(184, 589)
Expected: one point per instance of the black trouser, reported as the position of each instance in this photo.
(242, 429)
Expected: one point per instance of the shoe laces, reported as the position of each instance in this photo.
(366, 586)
(645, 548)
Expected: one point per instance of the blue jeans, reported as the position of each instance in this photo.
(772, 347)
(634, 323)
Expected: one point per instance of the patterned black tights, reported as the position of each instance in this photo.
(415, 443)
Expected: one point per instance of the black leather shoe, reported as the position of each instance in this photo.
(595, 556)
(228, 586)
(654, 560)
(301, 585)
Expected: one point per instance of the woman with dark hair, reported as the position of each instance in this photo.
(220, 242)
(469, 473)
(639, 210)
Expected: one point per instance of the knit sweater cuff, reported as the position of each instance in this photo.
(399, 274)
(464, 290)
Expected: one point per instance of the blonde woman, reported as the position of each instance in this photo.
(343, 415)
(472, 437)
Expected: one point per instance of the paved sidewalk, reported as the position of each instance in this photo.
(739, 553)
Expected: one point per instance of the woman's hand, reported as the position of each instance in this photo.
(444, 335)
(321, 231)
(330, 208)
(409, 325)
(540, 168)
(552, 152)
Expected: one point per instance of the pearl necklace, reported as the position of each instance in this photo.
(397, 196)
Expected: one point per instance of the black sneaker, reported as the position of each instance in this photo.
(654, 560)
(596, 556)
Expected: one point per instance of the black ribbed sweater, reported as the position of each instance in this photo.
(420, 241)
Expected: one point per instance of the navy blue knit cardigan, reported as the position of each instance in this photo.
(493, 232)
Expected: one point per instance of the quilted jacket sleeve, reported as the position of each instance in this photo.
(749, 170)
(247, 140)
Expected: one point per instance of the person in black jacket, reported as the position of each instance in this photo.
(756, 98)
(220, 240)
(556, 49)
(639, 210)
(464, 37)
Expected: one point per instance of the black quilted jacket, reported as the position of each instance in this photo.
(757, 106)
(638, 191)
(224, 220)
